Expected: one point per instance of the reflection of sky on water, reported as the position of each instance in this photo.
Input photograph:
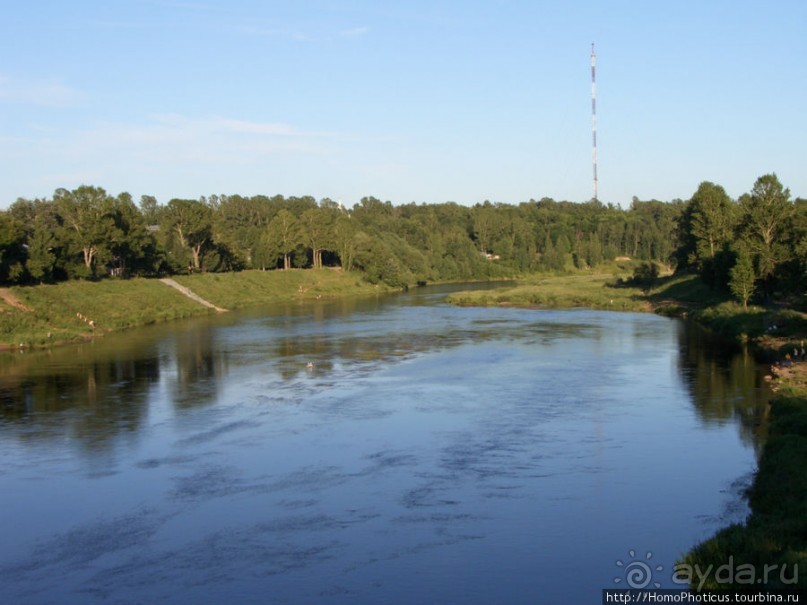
(431, 454)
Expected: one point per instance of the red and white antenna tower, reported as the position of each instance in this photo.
(594, 118)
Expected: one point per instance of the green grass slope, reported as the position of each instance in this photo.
(49, 314)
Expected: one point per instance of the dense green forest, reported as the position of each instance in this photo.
(755, 246)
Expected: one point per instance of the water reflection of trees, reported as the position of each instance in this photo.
(96, 394)
(107, 387)
(106, 395)
(200, 365)
(725, 380)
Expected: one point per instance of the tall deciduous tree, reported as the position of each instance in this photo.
(712, 219)
(191, 221)
(240, 222)
(315, 228)
(134, 248)
(44, 237)
(765, 213)
(43, 248)
(150, 209)
(487, 223)
(86, 215)
(282, 236)
(344, 238)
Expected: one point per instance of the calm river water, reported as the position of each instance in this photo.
(432, 454)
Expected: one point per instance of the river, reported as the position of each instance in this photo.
(390, 450)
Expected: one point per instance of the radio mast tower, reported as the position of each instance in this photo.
(594, 118)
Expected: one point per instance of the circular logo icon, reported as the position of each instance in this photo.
(638, 573)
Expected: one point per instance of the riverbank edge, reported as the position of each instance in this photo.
(762, 551)
(768, 549)
(770, 546)
(44, 316)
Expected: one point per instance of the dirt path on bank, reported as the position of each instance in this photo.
(11, 300)
(190, 294)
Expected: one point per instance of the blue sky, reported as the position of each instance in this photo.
(424, 101)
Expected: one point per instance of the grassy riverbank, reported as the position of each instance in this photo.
(771, 545)
(606, 290)
(558, 291)
(70, 311)
(611, 290)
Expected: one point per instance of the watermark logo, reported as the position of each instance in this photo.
(642, 572)
(638, 572)
(734, 573)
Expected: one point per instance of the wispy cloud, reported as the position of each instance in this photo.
(174, 138)
(299, 35)
(41, 92)
(58, 179)
(176, 154)
(354, 32)
(263, 128)
(275, 32)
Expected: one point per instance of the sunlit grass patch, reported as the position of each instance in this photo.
(76, 310)
(250, 288)
(595, 291)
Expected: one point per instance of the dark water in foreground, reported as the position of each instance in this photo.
(432, 455)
